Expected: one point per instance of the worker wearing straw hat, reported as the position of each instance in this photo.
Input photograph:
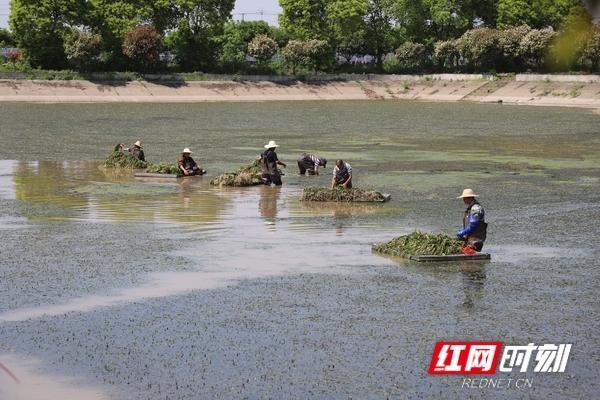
(187, 165)
(474, 229)
(269, 162)
(135, 150)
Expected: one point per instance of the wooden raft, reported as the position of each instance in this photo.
(452, 257)
(155, 175)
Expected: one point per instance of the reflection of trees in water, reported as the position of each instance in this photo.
(189, 203)
(77, 188)
(50, 182)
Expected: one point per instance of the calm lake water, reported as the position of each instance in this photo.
(120, 288)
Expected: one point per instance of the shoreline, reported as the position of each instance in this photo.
(517, 91)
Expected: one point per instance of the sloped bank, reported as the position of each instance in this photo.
(554, 90)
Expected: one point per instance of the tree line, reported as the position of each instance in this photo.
(400, 36)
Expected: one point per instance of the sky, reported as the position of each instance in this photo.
(249, 8)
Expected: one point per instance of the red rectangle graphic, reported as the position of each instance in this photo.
(465, 358)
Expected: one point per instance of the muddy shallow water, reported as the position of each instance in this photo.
(156, 289)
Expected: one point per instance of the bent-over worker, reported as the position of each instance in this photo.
(269, 162)
(474, 229)
(310, 163)
(136, 150)
(187, 165)
(342, 175)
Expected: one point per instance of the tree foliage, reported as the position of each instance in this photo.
(262, 48)
(458, 35)
(591, 51)
(534, 45)
(40, 27)
(142, 46)
(83, 49)
(446, 55)
(480, 48)
(412, 57)
(7, 39)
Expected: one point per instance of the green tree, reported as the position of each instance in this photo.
(412, 57)
(83, 49)
(509, 41)
(40, 27)
(6, 38)
(142, 46)
(262, 48)
(305, 19)
(294, 54)
(200, 24)
(515, 13)
(346, 19)
(591, 51)
(446, 55)
(480, 48)
(233, 43)
(379, 33)
(534, 46)
(318, 53)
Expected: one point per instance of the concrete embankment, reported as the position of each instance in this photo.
(545, 90)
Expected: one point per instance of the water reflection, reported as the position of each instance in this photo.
(473, 279)
(83, 191)
(267, 204)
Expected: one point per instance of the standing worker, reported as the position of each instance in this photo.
(135, 151)
(342, 175)
(269, 162)
(474, 229)
(310, 163)
(187, 165)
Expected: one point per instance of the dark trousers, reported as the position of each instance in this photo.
(305, 166)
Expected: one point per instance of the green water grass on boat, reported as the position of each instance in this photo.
(248, 175)
(340, 194)
(120, 159)
(420, 243)
(163, 168)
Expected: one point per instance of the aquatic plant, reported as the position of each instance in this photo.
(120, 159)
(248, 175)
(163, 168)
(420, 243)
(342, 195)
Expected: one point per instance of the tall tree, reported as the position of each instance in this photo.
(200, 23)
(378, 35)
(40, 28)
(305, 19)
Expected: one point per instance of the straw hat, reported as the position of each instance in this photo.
(138, 144)
(271, 145)
(186, 150)
(467, 193)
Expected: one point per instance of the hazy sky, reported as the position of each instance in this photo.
(241, 6)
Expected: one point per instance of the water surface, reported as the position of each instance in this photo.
(158, 288)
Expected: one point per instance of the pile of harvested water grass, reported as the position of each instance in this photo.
(340, 194)
(248, 175)
(421, 244)
(120, 159)
(163, 168)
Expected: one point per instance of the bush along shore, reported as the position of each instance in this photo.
(339, 194)
(420, 244)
